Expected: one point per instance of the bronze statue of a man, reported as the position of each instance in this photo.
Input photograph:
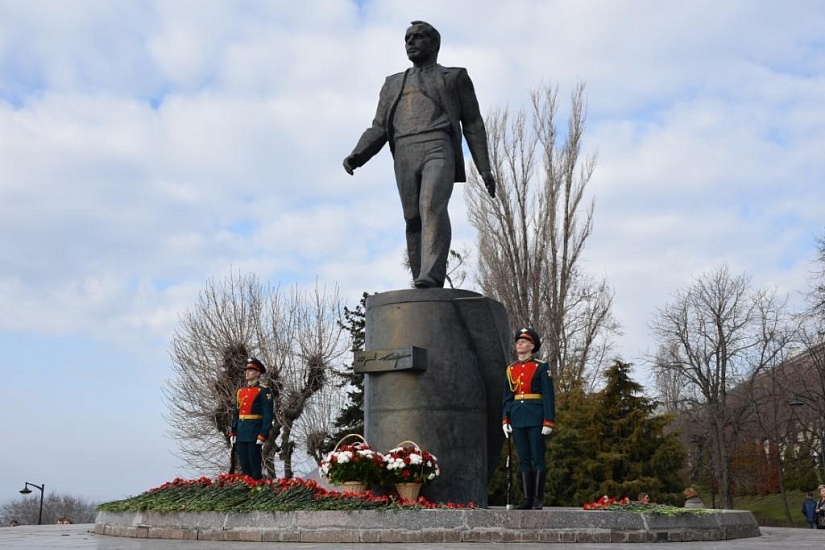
(422, 113)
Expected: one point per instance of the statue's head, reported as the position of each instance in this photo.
(422, 42)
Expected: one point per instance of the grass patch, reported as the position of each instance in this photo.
(769, 510)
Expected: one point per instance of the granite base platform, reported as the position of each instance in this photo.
(564, 525)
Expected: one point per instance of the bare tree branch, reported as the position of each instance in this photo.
(296, 335)
(531, 238)
(718, 334)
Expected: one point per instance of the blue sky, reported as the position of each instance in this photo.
(146, 147)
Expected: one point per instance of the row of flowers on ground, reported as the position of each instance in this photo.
(615, 504)
(359, 462)
(240, 493)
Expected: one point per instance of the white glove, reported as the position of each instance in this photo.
(546, 431)
(507, 429)
(259, 442)
(231, 439)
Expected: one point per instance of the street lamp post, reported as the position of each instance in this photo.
(799, 400)
(25, 491)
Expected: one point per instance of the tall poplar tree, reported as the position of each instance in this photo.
(531, 238)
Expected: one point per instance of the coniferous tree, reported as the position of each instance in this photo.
(567, 485)
(621, 445)
(351, 419)
(801, 469)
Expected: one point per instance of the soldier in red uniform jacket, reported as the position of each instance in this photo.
(528, 414)
(252, 419)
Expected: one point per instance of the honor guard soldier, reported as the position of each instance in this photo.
(252, 419)
(528, 414)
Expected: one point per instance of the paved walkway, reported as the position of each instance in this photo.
(32, 537)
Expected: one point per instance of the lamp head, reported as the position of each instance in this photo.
(25, 491)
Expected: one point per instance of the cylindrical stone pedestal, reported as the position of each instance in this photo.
(446, 408)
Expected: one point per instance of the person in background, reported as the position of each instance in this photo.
(820, 508)
(252, 419)
(693, 500)
(14, 523)
(529, 415)
(644, 498)
(809, 511)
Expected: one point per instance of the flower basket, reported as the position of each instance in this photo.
(408, 491)
(352, 463)
(409, 463)
(353, 487)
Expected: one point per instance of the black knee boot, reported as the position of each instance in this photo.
(527, 482)
(538, 494)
